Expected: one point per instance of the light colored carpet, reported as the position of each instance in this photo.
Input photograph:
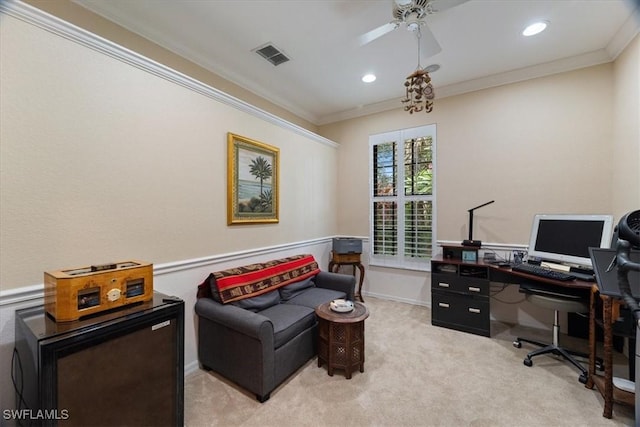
(416, 374)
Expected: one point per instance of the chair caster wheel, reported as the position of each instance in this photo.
(517, 344)
(528, 362)
(583, 378)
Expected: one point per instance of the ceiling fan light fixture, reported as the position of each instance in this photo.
(414, 23)
(419, 93)
(535, 28)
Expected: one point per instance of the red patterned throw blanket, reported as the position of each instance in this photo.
(256, 279)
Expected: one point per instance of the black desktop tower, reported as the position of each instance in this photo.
(121, 368)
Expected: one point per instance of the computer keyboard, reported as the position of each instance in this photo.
(539, 271)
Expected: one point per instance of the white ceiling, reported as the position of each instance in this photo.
(480, 40)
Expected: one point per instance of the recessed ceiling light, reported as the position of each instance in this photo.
(535, 28)
(368, 78)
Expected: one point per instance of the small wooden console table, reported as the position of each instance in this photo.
(341, 338)
(352, 259)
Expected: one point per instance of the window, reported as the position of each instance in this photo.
(403, 198)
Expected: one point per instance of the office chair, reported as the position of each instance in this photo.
(557, 303)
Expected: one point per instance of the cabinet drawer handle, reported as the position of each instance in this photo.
(474, 289)
(443, 305)
(443, 285)
(474, 310)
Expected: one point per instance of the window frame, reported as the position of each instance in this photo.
(399, 137)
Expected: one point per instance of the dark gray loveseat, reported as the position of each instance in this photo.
(260, 338)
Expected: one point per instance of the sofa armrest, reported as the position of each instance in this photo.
(337, 282)
(238, 344)
(244, 321)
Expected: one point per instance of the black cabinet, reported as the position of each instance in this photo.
(121, 368)
(460, 296)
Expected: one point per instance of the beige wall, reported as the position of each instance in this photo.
(543, 145)
(542, 118)
(556, 136)
(83, 18)
(626, 130)
(102, 161)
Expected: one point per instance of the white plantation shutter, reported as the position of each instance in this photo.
(402, 192)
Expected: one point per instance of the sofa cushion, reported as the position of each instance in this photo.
(313, 297)
(208, 288)
(290, 291)
(259, 302)
(288, 321)
(251, 280)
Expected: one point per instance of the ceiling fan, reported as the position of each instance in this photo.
(412, 13)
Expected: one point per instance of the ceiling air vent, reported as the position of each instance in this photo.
(272, 54)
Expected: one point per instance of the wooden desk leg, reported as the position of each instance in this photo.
(608, 358)
(592, 337)
(361, 267)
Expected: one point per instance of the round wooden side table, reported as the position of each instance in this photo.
(341, 338)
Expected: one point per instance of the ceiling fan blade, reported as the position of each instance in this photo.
(376, 33)
(429, 46)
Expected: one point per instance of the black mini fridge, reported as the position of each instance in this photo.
(120, 368)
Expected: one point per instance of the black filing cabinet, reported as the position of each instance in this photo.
(460, 296)
(120, 368)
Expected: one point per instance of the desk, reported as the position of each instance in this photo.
(460, 292)
(608, 291)
(604, 384)
(460, 301)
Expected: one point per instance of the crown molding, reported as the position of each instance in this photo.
(514, 76)
(59, 27)
(625, 35)
(629, 30)
(39, 18)
(207, 63)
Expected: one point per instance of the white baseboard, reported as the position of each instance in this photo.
(397, 299)
(191, 367)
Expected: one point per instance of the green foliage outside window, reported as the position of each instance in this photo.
(417, 214)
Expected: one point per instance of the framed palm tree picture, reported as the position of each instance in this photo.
(252, 181)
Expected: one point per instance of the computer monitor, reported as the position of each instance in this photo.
(566, 239)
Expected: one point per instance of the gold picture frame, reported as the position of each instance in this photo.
(252, 181)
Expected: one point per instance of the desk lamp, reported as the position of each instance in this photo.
(628, 230)
(470, 241)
